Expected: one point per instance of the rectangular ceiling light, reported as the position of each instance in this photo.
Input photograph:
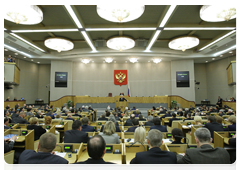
(153, 40)
(88, 41)
(73, 15)
(221, 52)
(162, 24)
(15, 50)
(168, 14)
(119, 29)
(45, 30)
(199, 28)
(27, 42)
(217, 40)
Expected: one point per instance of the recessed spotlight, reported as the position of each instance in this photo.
(125, 61)
(114, 61)
(213, 58)
(206, 61)
(149, 61)
(38, 62)
(16, 53)
(31, 59)
(221, 55)
(6, 49)
(230, 51)
(92, 61)
(103, 61)
(24, 57)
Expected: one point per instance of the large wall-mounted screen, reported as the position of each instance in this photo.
(182, 79)
(60, 79)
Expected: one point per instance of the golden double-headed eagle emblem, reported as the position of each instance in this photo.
(120, 77)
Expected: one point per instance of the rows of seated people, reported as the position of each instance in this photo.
(108, 134)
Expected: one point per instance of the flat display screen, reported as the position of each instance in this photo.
(60, 79)
(182, 78)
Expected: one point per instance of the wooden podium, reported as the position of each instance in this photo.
(122, 105)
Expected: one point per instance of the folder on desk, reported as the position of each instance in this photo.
(9, 136)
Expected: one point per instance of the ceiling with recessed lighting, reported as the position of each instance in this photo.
(90, 37)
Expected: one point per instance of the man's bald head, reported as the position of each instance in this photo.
(96, 147)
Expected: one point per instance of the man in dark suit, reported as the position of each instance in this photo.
(219, 102)
(168, 114)
(157, 125)
(150, 121)
(155, 155)
(171, 120)
(129, 121)
(86, 127)
(69, 117)
(20, 119)
(212, 126)
(121, 99)
(103, 118)
(39, 115)
(38, 130)
(205, 153)
(188, 117)
(75, 135)
(76, 113)
(45, 154)
(16, 114)
(96, 148)
(16, 106)
(6, 121)
(135, 124)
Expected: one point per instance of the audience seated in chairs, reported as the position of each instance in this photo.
(129, 121)
(20, 119)
(6, 121)
(140, 135)
(150, 121)
(103, 118)
(141, 118)
(76, 114)
(38, 130)
(69, 117)
(109, 134)
(86, 127)
(212, 126)
(135, 124)
(188, 117)
(39, 115)
(157, 125)
(58, 116)
(232, 120)
(112, 118)
(198, 120)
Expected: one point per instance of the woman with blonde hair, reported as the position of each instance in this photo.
(232, 120)
(126, 113)
(38, 130)
(198, 120)
(58, 116)
(140, 135)
(109, 134)
(48, 122)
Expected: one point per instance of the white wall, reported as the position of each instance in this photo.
(213, 81)
(94, 79)
(186, 92)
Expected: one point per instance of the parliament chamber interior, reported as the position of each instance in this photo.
(112, 84)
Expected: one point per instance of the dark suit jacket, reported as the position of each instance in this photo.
(8, 146)
(188, 119)
(94, 164)
(128, 122)
(87, 128)
(231, 128)
(20, 120)
(75, 136)
(77, 115)
(38, 116)
(132, 129)
(214, 126)
(159, 127)
(101, 118)
(206, 154)
(154, 156)
(69, 118)
(32, 157)
(38, 131)
(166, 115)
(149, 123)
(6, 127)
(122, 99)
(170, 121)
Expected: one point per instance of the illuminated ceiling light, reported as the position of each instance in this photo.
(120, 43)
(153, 40)
(120, 12)
(213, 58)
(114, 61)
(120, 29)
(183, 43)
(16, 53)
(23, 14)
(92, 61)
(216, 13)
(199, 28)
(221, 55)
(167, 16)
(149, 61)
(59, 44)
(85, 60)
(31, 59)
(15, 50)
(108, 59)
(5, 49)
(133, 60)
(89, 41)
(15, 35)
(157, 60)
(24, 57)
(45, 30)
(73, 15)
(206, 61)
(230, 51)
(38, 62)
(222, 37)
(221, 52)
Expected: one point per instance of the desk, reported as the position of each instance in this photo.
(39, 101)
(205, 102)
(13, 103)
(226, 139)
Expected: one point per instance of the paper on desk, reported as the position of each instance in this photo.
(60, 154)
(58, 126)
(132, 140)
(166, 141)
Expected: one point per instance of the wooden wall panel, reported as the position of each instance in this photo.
(16, 75)
(156, 99)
